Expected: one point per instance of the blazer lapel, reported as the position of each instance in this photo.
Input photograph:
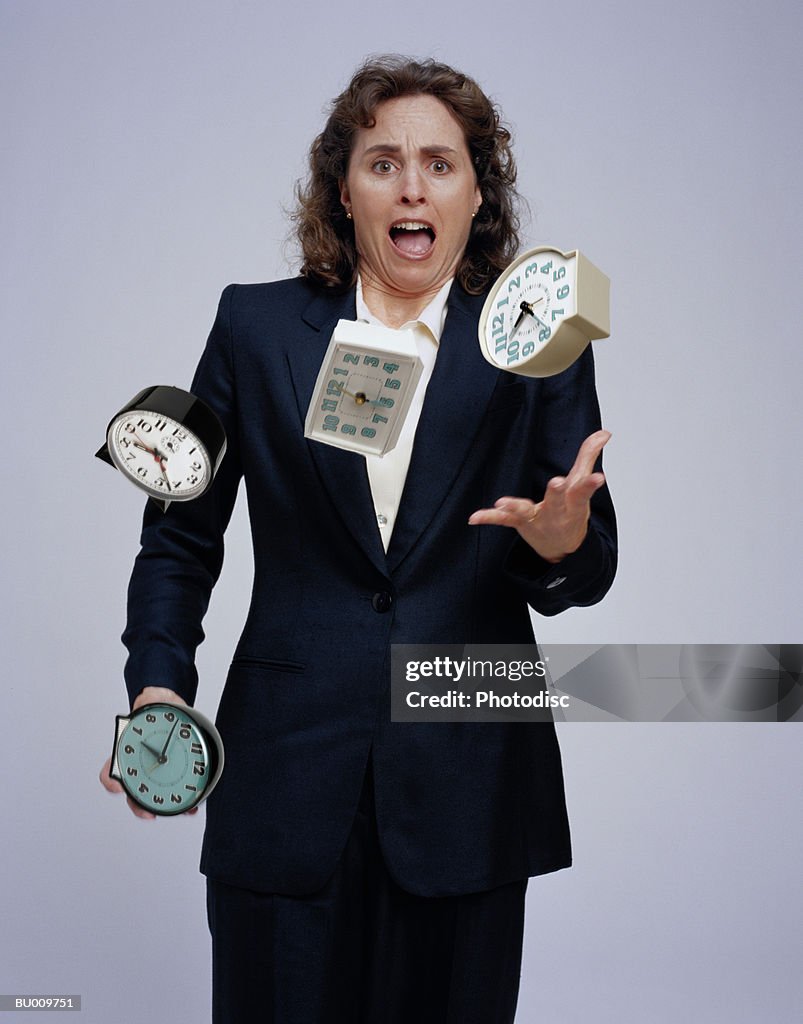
(461, 380)
(343, 474)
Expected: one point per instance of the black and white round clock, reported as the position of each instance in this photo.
(166, 441)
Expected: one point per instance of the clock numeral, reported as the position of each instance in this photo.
(501, 344)
(192, 789)
(379, 419)
(387, 402)
(351, 357)
(512, 352)
(161, 424)
(131, 457)
(498, 325)
(143, 788)
(197, 466)
(144, 425)
(150, 717)
(556, 313)
(341, 372)
(390, 367)
(503, 302)
(196, 748)
(158, 799)
(132, 772)
(198, 768)
(563, 291)
(393, 384)
(545, 333)
(368, 432)
(175, 798)
(514, 282)
(184, 732)
(128, 749)
(136, 729)
(329, 405)
(170, 716)
(559, 273)
(348, 428)
(531, 268)
(333, 388)
(528, 349)
(142, 472)
(330, 422)
(181, 435)
(370, 361)
(546, 267)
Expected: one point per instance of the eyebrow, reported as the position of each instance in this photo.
(387, 147)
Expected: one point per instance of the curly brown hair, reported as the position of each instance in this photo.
(327, 236)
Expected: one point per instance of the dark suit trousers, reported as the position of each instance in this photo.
(363, 951)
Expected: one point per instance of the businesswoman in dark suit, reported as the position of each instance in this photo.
(361, 870)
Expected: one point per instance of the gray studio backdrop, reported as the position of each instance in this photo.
(149, 151)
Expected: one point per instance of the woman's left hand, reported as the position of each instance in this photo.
(557, 525)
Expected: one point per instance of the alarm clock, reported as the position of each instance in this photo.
(364, 388)
(542, 312)
(168, 757)
(166, 441)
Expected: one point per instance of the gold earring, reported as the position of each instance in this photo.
(348, 214)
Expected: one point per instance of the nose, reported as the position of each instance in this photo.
(413, 189)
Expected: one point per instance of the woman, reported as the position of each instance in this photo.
(361, 869)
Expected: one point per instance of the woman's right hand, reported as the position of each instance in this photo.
(150, 695)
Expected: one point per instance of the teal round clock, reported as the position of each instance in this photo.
(168, 757)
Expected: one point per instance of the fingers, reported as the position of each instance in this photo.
(508, 511)
(112, 785)
(138, 811)
(588, 454)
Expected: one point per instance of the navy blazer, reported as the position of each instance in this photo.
(460, 807)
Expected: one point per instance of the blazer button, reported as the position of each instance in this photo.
(382, 601)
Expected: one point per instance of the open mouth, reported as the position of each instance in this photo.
(412, 237)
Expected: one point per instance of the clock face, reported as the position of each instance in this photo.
(364, 390)
(163, 759)
(527, 306)
(159, 454)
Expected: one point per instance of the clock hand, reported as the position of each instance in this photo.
(151, 451)
(157, 457)
(526, 309)
(167, 741)
(360, 397)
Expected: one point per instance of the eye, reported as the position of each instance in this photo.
(383, 166)
(440, 166)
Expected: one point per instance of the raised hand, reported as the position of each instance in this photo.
(555, 526)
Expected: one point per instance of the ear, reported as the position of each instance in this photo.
(477, 199)
(345, 197)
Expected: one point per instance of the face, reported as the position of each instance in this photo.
(412, 191)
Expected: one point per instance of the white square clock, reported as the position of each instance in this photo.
(364, 388)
